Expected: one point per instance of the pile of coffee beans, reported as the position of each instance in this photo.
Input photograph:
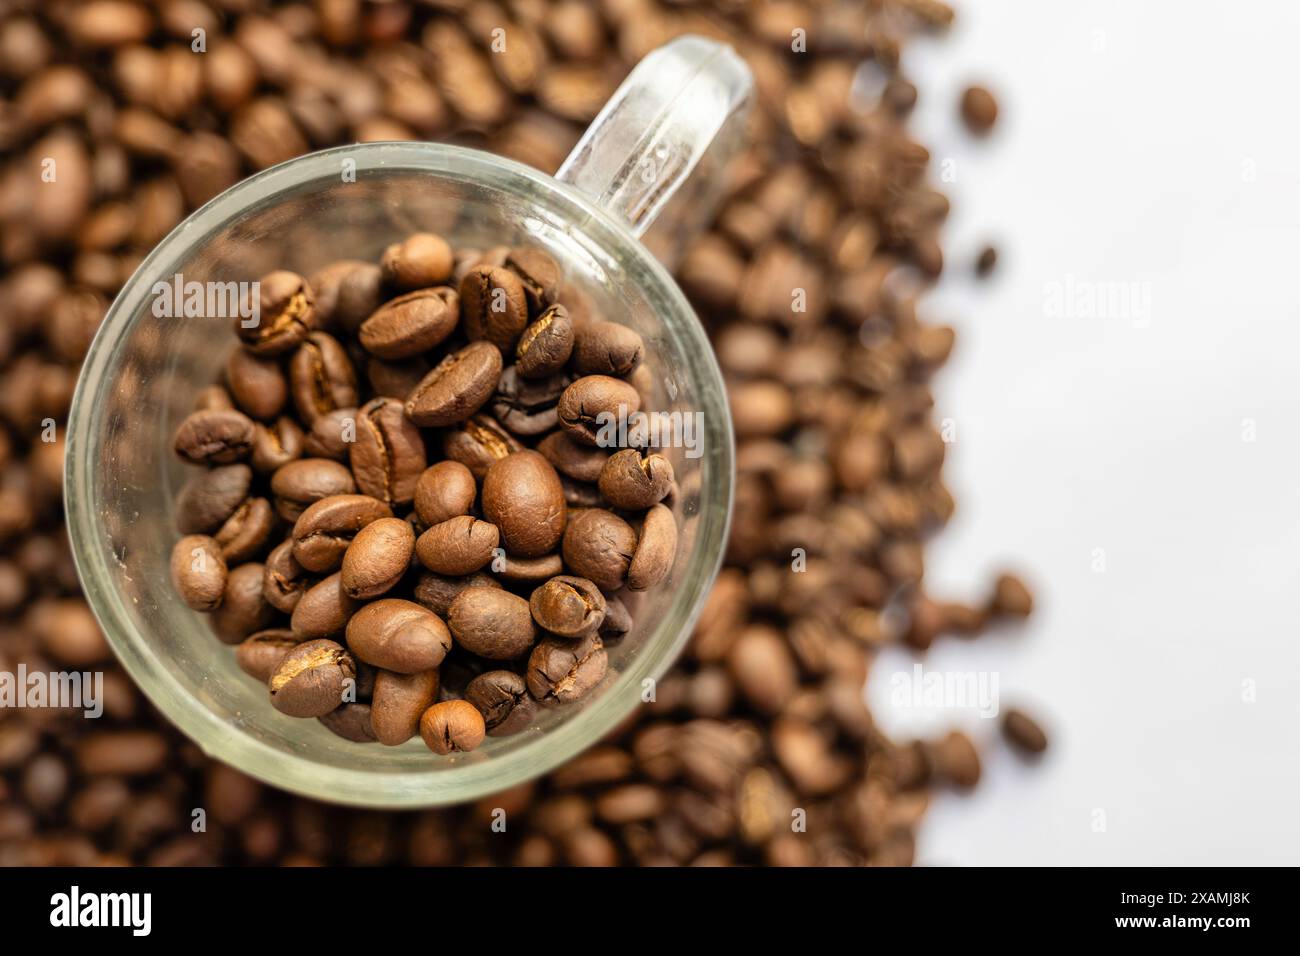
(350, 564)
(758, 747)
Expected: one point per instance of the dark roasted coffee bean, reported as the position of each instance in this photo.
(457, 387)
(275, 445)
(634, 481)
(321, 377)
(247, 532)
(400, 701)
(324, 530)
(243, 609)
(572, 459)
(199, 572)
(285, 314)
(592, 407)
(312, 679)
(607, 348)
(568, 606)
(257, 384)
(561, 670)
(656, 549)
(213, 398)
(617, 622)
(284, 580)
(399, 636)
(388, 456)
(377, 558)
(258, 655)
(437, 591)
(528, 406)
(396, 379)
(1023, 731)
(411, 324)
(502, 698)
(323, 610)
(351, 722)
(763, 669)
(478, 443)
(453, 726)
(302, 483)
(599, 545)
(491, 623)
(522, 496)
(546, 344)
(211, 497)
(417, 262)
(979, 110)
(529, 570)
(328, 285)
(331, 435)
(495, 306)
(445, 490)
(539, 273)
(458, 545)
(215, 437)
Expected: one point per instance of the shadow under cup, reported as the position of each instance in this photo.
(144, 372)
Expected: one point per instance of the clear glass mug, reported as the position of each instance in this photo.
(143, 373)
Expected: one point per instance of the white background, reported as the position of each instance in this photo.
(1155, 143)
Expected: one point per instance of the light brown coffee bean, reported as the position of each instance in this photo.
(199, 572)
(247, 532)
(312, 679)
(388, 456)
(377, 558)
(656, 549)
(1011, 597)
(529, 570)
(955, 759)
(214, 437)
(352, 722)
(478, 443)
(568, 606)
(457, 546)
(491, 623)
(445, 490)
(539, 273)
(1023, 731)
(302, 483)
(457, 387)
(502, 698)
(573, 459)
(324, 530)
(437, 591)
(522, 496)
(561, 670)
(243, 609)
(634, 481)
(607, 348)
(258, 655)
(453, 726)
(599, 545)
(212, 496)
(400, 701)
(399, 636)
(331, 435)
(979, 110)
(495, 306)
(284, 580)
(285, 314)
(418, 261)
(594, 404)
(323, 610)
(546, 344)
(321, 378)
(257, 384)
(396, 379)
(275, 445)
(411, 324)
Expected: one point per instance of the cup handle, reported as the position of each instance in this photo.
(685, 98)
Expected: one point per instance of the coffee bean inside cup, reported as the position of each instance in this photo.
(406, 480)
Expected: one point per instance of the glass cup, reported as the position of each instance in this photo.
(143, 373)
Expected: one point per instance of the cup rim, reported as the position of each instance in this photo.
(348, 785)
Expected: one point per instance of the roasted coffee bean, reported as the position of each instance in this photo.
(453, 726)
(275, 445)
(607, 348)
(331, 435)
(763, 669)
(411, 324)
(388, 456)
(331, 286)
(561, 670)
(529, 570)
(502, 698)
(437, 591)
(326, 528)
(528, 406)
(633, 480)
(246, 533)
(522, 496)
(284, 580)
(213, 398)
(546, 344)
(986, 261)
(458, 545)
(478, 443)
(323, 610)
(257, 384)
(594, 405)
(285, 314)
(491, 623)
(656, 549)
(302, 483)
(617, 622)
(322, 378)
(418, 261)
(377, 558)
(210, 497)
(457, 387)
(538, 272)
(396, 379)
(568, 606)
(243, 609)
(399, 636)
(1011, 597)
(445, 490)
(312, 679)
(258, 655)
(955, 759)
(979, 110)
(199, 572)
(495, 306)
(599, 545)
(573, 459)
(215, 437)
(352, 722)
(1023, 731)
(400, 701)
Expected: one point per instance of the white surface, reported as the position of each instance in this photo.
(1148, 143)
